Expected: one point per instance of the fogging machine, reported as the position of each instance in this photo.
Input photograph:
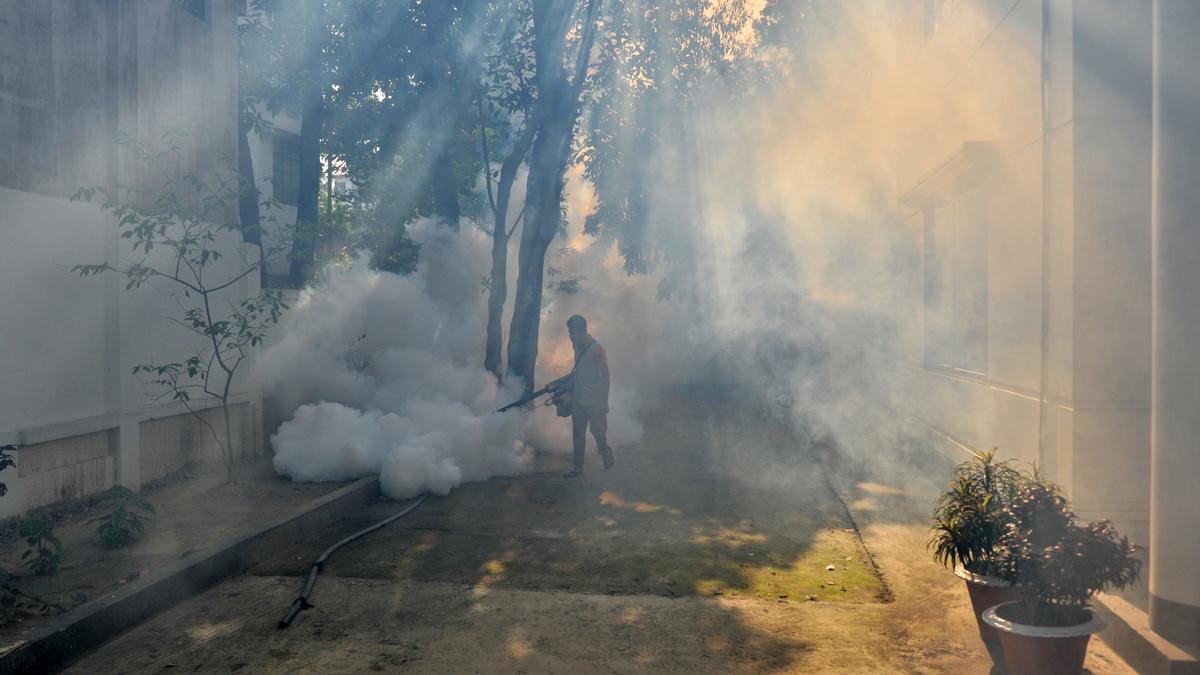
(560, 392)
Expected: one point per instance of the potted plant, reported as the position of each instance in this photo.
(969, 521)
(1058, 565)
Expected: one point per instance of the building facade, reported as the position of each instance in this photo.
(73, 77)
(275, 155)
(1048, 204)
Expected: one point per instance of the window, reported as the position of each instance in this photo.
(956, 277)
(198, 8)
(954, 200)
(285, 178)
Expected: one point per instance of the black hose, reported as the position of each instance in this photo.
(301, 602)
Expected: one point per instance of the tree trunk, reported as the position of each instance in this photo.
(228, 443)
(307, 205)
(329, 192)
(498, 289)
(311, 126)
(444, 187)
(557, 108)
(543, 195)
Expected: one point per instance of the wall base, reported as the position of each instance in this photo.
(1128, 633)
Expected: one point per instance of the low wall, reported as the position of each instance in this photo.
(167, 444)
(975, 413)
(72, 460)
(60, 470)
(68, 636)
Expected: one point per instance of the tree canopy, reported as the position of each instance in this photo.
(432, 108)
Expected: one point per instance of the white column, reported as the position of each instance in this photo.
(128, 387)
(123, 25)
(1175, 417)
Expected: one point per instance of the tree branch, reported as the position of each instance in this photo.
(487, 161)
(583, 58)
(254, 267)
(516, 221)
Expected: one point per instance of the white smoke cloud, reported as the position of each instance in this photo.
(382, 371)
(800, 264)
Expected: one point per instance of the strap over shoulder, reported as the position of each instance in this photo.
(580, 355)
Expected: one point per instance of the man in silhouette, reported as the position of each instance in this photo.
(590, 387)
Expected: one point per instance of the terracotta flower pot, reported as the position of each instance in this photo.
(1038, 650)
(986, 592)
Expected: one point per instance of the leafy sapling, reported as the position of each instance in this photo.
(180, 232)
(123, 525)
(6, 461)
(44, 554)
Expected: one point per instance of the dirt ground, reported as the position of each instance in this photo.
(192, 512)
(716, 545)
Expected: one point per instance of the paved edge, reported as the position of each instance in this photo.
(1128, 633)
(70, 635)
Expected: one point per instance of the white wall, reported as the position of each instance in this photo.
(53, 325)
(68, 346)
(1087, 189)
(280, 221)
(73, 76)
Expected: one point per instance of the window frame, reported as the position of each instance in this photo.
(285, 191)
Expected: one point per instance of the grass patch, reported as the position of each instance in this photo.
(743, 565)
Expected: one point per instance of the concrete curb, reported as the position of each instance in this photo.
(69, 635)
(1129, 635)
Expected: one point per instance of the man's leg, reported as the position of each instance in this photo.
(579, 425)
(600, 433)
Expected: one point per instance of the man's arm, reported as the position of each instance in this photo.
(602, 364)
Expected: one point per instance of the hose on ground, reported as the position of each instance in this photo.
(301, 602)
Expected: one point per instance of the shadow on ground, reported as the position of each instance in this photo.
(716, 545)
(701, 507)
(694, 553)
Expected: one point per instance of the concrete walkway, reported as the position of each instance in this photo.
(715, 545)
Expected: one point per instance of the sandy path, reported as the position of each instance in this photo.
(706, 550)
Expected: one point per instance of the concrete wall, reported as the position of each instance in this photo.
(54, 326)
(1076, 191)
(64, 461)
(177, 440)
(61, 469)
(1110, 125)
(981, 58)
(72, 76)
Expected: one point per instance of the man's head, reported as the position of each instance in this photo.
(577, 328)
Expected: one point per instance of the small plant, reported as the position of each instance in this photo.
(44, 554)
(1057, 563)
(6, 460)
(356, 357)
(969, 517)
(123, 525)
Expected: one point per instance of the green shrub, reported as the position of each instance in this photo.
(969, 517)
(44, 554)
(1057, 563)
(6, 460)
(123, 525)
